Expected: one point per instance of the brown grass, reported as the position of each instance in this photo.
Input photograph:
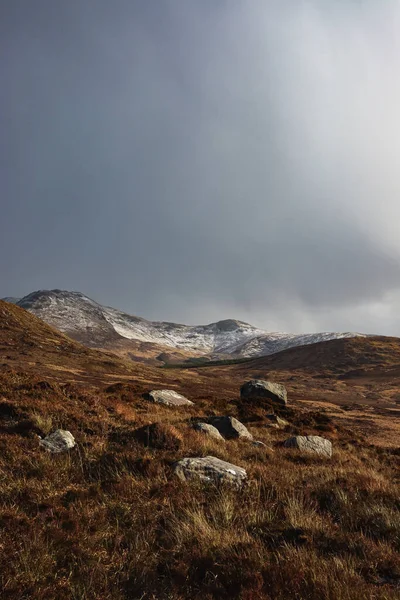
(110, 521)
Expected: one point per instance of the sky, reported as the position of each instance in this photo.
(196, 160)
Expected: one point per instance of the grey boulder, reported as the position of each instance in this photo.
(229, 427)
(257, 389)
(209, 430)
(310, 443)
(210, 470)
(168, 398)
(58, 441)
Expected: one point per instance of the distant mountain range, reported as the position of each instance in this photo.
(100, 326)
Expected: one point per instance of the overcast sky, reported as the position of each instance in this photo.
(194, 160)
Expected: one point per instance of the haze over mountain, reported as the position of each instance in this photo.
(104, 327)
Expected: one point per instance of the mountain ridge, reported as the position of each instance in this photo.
(98, 326)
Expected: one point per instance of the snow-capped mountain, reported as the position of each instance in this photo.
(100, 326)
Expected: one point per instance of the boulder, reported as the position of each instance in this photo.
(229, 427)
(159, 436)
(310, 443)
(58, 441)
(259, 389)
(275, 420)
(209, 430)
(168, 397)
(210, 470)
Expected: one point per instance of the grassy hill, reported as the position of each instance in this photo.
(110, 520)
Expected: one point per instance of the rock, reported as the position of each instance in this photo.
(275, 420)
(168, 397)
(209, 430)
(259, 389)
(58, 441)
(310, 443)
(210, 470)
(229, 427)
(159, 436)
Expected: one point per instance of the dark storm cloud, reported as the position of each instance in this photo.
(199, 160)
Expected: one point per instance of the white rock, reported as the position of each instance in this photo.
(169, 398)
(230, 428)
(210, 469)
(58, 441)
(258, 389)
(209, 430)
(310, 443)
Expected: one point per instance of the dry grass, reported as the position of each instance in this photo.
(110, 521)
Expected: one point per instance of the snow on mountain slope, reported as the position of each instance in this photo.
(271, 343)
(222, 337)
(95, 325)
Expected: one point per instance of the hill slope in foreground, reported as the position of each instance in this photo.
(110, 519)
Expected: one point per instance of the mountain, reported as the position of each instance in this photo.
(29, 343)
(100, 326)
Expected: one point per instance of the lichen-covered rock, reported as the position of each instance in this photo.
(259, 389)
(209, 430)
(210, 470)
(168, 397)
(58, 441)
(230, 428)
(310, 443)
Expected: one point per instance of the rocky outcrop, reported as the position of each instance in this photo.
(230, 428)
(208, 430)
(210, 470)
(58, 441)
(267, 392)
(168, 398)
(310, 443)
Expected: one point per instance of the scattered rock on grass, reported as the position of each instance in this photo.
(310, 443)
(168, 397)
(257, 389)
(210, 470)
(58, 441)
(229, 427)
(209, 430)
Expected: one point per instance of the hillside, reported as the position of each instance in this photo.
(27, 343)
(154, 342)
(110, 519)
(346, 356)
